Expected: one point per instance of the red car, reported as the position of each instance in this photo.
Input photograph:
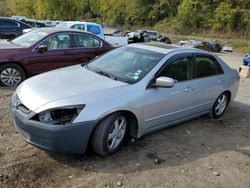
(46, 49)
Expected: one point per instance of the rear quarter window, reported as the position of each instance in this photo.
(206, 66)
(94, 29)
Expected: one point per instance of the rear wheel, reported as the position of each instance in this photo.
(11, 75)
(109, 134)
(220, 105)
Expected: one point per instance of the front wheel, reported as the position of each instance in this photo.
(220, 105)
(109, 134)
(11, 75)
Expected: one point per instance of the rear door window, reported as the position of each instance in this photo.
(85, 41)
(206, 66)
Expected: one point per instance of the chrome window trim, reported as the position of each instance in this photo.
(101, 43)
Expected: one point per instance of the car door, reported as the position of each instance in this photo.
(209, 80)
(57, 55)
(163, 106)
(86, 47)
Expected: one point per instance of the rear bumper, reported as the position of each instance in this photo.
(66, 139)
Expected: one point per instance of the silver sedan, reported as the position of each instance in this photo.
(132, 90)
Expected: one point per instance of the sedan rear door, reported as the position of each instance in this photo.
(209, 80)
(86, 47)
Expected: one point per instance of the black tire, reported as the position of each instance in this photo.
(13, 67)
(99, 139)
(214, 112)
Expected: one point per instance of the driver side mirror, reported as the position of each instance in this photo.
(42, 48)
(164, 82)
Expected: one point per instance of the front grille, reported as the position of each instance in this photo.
(20, 106)
(23, 109)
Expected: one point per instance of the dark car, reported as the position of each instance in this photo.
(163, 39)
(45, 49)
(153, 35)
(121, 32)
(134, 37)
(211, 47)
(10, 28)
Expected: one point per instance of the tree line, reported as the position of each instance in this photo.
(182, 16)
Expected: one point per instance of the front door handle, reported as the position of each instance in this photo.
(221, 81)
(188, 89)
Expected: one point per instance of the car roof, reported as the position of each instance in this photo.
(79, 22)
(10, 19)
(5, 18)
(166, 48)
(51, 30)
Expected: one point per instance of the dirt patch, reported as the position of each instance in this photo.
(199, 153)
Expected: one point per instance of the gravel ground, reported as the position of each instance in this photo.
(199, 153)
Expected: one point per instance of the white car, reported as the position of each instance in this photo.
(94, 28)
(227, 49)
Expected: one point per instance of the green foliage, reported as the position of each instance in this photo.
(181, 16)
(4, 9)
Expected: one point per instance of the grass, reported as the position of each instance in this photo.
(240, 41)
(239, 45)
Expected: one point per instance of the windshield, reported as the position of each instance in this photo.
(126, 63)
(64, 25)
(28, 39)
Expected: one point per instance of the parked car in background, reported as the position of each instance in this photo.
(134, 37)
(18, 18)
(163, 39)
(121, 32)
(153, 35)
(94, 28)
(227, 49)
(10, 28)
(45, 49)
(132, 90)
(211, 47)
(189, 43)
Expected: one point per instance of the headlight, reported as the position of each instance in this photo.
(60, 116)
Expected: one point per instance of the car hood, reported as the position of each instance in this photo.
(7, 45)
(62, 83)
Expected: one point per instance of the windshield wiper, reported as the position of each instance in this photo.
(10, 41)
(106, 74)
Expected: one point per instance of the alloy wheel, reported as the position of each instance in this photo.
(117, 132)
(10, 77)
(221, 104)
